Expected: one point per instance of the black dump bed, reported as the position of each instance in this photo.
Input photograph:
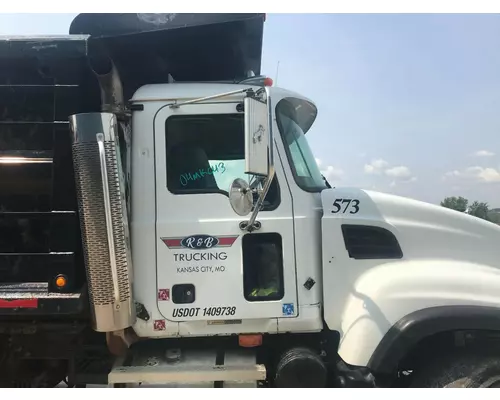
(43, 80)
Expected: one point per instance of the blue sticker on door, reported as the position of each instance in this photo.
(288, 309)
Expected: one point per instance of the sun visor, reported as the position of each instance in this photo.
(147, 48)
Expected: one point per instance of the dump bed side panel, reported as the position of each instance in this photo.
(41, 83)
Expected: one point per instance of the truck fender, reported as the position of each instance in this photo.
(412, 328)
(381, 295)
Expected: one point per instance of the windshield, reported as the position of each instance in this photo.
(293, 119)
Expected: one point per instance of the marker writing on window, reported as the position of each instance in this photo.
(201, 173)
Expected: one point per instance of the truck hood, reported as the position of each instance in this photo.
(447, 258)
(423, 230)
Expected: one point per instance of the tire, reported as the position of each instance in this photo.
(459, 370)
(300, 368)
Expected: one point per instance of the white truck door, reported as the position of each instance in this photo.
(207, 268)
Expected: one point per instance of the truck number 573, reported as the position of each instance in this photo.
(342, 205)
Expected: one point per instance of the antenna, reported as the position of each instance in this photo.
(277, 71)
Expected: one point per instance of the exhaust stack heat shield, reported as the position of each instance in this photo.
(100, 184)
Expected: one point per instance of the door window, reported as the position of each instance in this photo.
(263, 267)
(205, 153)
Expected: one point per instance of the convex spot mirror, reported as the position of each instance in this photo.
(240, 197)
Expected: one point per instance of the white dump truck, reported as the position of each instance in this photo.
(163, 222)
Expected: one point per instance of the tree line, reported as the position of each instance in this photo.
(476, 208)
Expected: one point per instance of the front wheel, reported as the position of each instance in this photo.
(459, 370)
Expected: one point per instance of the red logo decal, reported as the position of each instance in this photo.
(164, 294)
(199, 242)
(159, 325)
(227, 241)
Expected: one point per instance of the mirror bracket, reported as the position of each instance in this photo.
(202, 99)
(244, 226)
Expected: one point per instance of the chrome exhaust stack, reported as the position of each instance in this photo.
(100, 184)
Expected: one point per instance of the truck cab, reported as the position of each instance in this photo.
(184, 162)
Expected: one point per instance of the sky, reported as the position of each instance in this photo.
(407, 103)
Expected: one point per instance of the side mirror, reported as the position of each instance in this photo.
(258, 158)
(257, 136)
